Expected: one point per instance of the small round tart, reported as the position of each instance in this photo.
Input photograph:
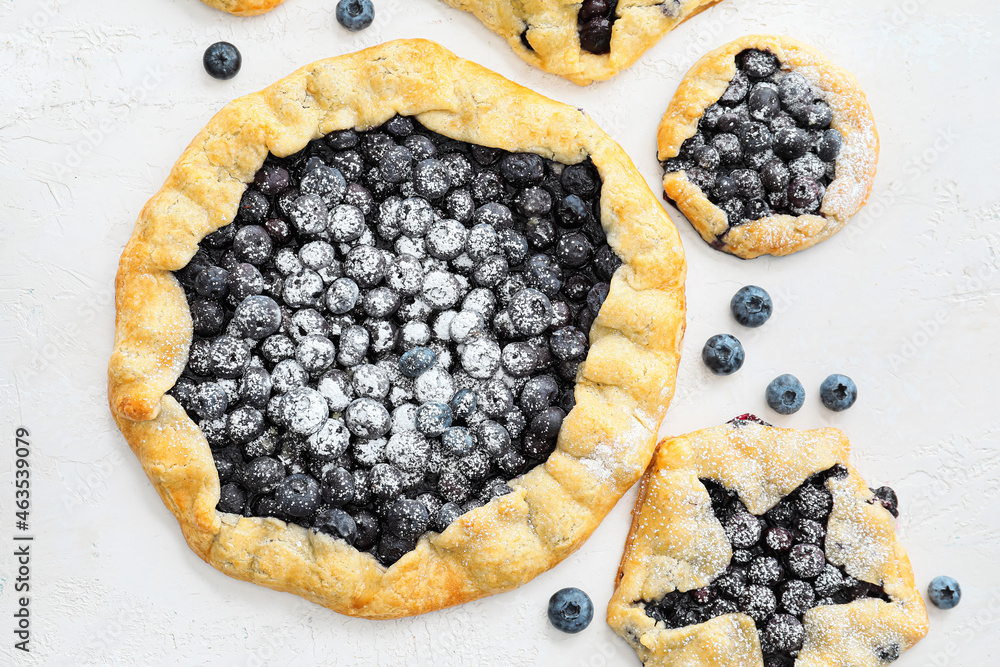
(767, 147)
(396, 333)
(244, 7)
(763, 546)
(586, 41)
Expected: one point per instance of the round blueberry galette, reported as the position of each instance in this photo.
(767, 147)
(583, 41)
(397, 333)
(761, 546)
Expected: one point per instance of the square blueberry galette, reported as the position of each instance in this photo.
(767, 147)
(583, 41)
(762, 547)
(396, 333)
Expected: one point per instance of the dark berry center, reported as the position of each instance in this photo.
(390, 329)
(765, 147)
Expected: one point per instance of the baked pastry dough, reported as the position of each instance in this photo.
(545, 33)
(702, 87)
(622, 390)
(244, 7)
(676, 543)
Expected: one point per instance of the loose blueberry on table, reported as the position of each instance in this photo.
(355, 15)
(390, 330)
(594, 25)
(570, 610)
(785, 395)
(766, 147)
(944, 592)
(723, 354)
(751, 306)
(838, 392)
(222, 60)
(778, 572)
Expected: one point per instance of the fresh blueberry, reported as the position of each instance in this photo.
(464, 403)
(791, 143)
(416, 361)
(830, 145)
(723, 354)
(262, 474)
(210, 400)
(257, 317)
(804, 193)
(785, 395)
(743, 530)
(212, 282)
(758, 64)
(784, 633)
(838, 392)
(888, 499)
(570, 610)
(355, 15)
(433, 418)
(759, 602)
(407, 519)
(222, 60)
(751, 306)
(806, 561)
(944, 592)
(447, 515)
(546, 424)
(337, 523)
(457, 441)
(231, 498)
(297, 495)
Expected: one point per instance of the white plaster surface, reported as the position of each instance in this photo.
(97, 100)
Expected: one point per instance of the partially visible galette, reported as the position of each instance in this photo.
(396, 333)
(767, 147)
(762, 547)
(583, 41)
(244, 7)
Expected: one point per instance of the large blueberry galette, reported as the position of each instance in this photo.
(583, 41)
(760, 546)
(767, 147)
(396, 333)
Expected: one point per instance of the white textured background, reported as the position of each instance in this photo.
(98, 99)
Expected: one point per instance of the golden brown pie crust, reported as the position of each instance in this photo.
(778, 234)
(676, 543)
(244, 7)
(622, 390)
(551, 27)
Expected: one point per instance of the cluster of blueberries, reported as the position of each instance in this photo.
(391, 328)
(723, 354)
(766, 147)
(779, 569)
(594, 25)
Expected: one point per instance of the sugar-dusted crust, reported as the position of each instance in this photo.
(779, 234)
(550, 27)
(622, 390)
(244, 7)
(676, 543)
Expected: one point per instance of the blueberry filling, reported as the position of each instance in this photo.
(594, 23)
(766, 147)
(390, 330)
(779, 570)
